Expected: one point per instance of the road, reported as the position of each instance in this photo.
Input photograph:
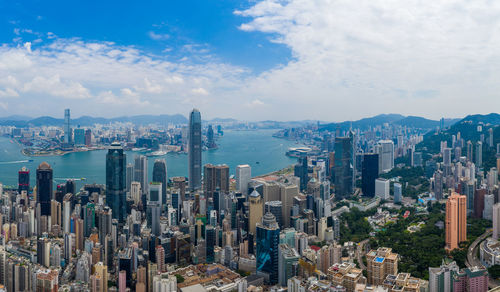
(472, 259)
(360, 251)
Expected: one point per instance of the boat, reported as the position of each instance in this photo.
(257, 162)
(156, 153)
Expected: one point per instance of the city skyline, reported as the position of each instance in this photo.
(251, 57)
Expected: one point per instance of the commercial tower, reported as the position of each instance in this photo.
(116, 180)
(300, 170)
(385, 150)
(243, 177)
(496, 221)
(215, 178)
(67, 127)
(268, 239)
(194, 150)
(160, 176)
(344, 165)
(141, 172)
(456, 221)
(44, 187)
(369, 173)
(24, 180)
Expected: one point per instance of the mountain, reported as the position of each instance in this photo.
(395, 119)
(15, 118)
(492, 118)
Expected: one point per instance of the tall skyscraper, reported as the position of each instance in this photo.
(287, 264)
(88, 137)
(243, 177)
(344, 166)
(194, 150)
(268, 239)
(216, 177)
(256, 207)
(490, 137)
(456, 221)
(67, 127)
(496, 221)
(369, 173)
(398, 192)
(385, 150)
(275, 208)
(116, 180)
(79, 137)
(479, 154)
(160, 176)
(210, 242)
(141, 172)
(23, 180)
(470, 150)
(129, 176)
(300, 170)
(44, 187)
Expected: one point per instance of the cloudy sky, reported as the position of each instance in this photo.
(331, 60)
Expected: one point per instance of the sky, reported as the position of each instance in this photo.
(329, 60)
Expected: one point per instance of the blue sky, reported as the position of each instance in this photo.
(331, 60)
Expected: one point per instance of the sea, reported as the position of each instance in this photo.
(257, 148)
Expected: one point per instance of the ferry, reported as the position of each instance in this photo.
(156, 153)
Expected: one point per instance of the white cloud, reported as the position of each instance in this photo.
(56, 87)
(199, 91)
(158, 36)
(255, 103)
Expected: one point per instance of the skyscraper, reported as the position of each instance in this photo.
(210, 236)
(456, 221)
(496, 221)
(243, 177)
(369, 173)
(479, 154)
(79, 137)
(344, 166)
(194, 150)
(385, 150)
(44, 187)
(256, 208)
(215, 177)
(115, 181)
(141, 172)
(268, 239)
(287, 264)
(23, 180)
(469, 151)
(160, 176)
(67, 127)
(300, 170)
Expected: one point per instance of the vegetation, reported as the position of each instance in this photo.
(354, 226)
(180, 278)
(494, 271)
(242, 273)
(412, 179)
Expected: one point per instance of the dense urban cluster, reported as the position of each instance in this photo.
(311, 228)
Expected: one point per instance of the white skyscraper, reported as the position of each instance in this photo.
(382, 188)
(243, 177)
(398, 193)
(385, 150)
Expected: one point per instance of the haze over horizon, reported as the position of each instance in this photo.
(255, 60)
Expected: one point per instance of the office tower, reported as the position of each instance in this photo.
(141, 172)
(23, 180)
(438, 185)
(101, 270)
(496, 221)
(287, 263)
(155, 193)
(130, 176)
(276, 208)
(268, 238)
(447, 161)
(301, 171)
(489, 201)
(79, 137)
(194, 150)
(44, 188)
(210, 242)
(55, 212)
(385, 150)
(67, 127)
(369, 173)
(160, 258)
(135, 192)
(470, 150)
(88, 137)
(479, 202)
(456, 221)
(479, 154)
(122, 281)
(255, 211)
(216, 177)
(243, 177)
(382, 188)
(160, 175)
(490, 137)
(210, 138)
(441, 279)
(398, 192)
(153, 213)
(344, 166)
(380, 263)
(115, 181)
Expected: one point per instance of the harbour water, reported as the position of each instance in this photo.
(258, 148)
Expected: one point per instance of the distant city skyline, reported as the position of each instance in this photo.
(255, 60)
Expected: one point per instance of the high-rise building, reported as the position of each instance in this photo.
(287, 263)
(470, 150)
(79, 137)
(479, 154)
(44, 187)
(141, 172)
(398, 192)
(67, 127)
(88, 137)
(385, 150)
(369, 173)
(496, 221)
(215, 178)
(441, 279)
(438, 185)
(210, 242)
(210, 138)
(380, 263)
(130, 176)
(301, 170)
(382, 188)
(255, 212)
(101, 270)
(276, 208)
(160, 176)
(155, 193)
(23, 180)
(268, 238)
(344, 166)
(115, 181)
(194, 150)
(243, 177)
(160, 258)
(490, 138)
(456, 221)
